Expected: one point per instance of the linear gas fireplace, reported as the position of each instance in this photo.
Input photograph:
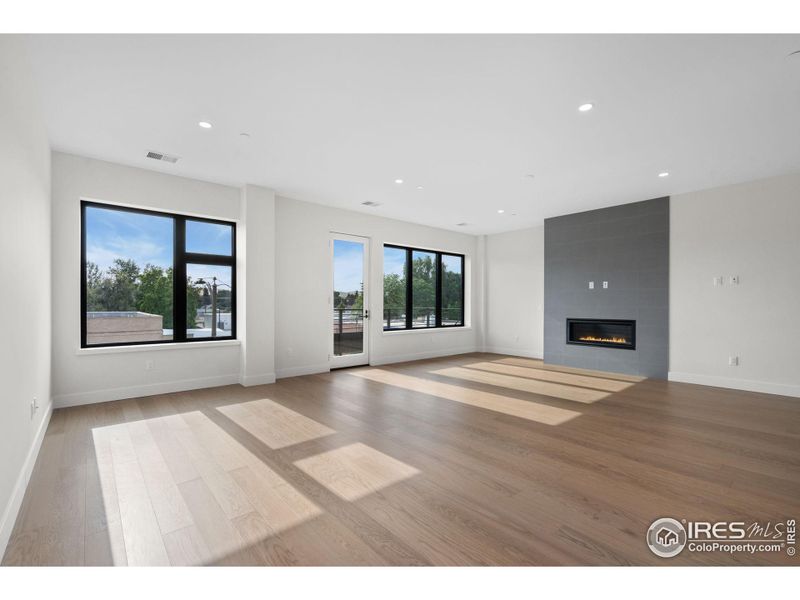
(608, 333)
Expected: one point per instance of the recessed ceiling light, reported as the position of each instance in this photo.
(531, 175)
(244, 135)
(398, 181)
(586, 107)
(461, 224)
(419, 187)
(501, 211)
(664, 174)
(205, 124)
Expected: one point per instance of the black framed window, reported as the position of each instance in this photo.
(422, 289)
(149, 277)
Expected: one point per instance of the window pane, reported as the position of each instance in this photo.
(423, 289)
(209, 238)
(209, 301)
(452, 286)
(394, 288)
(128, 276)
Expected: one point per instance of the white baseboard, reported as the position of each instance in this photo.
(248, 380)
(513, 352)
(136, 391)
(306, 370)
(765, 387)
(437, 353)
(15, 501)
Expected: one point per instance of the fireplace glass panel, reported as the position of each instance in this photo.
(609, 333)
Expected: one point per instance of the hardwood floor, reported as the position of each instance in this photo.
(476, 459)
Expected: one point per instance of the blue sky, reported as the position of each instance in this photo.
(112, 234)
(394, 261)
(348, 266)
(146, 239)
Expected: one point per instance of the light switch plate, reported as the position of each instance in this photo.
(591, 285)
(718, 281)
(734, 279)
(605, 285)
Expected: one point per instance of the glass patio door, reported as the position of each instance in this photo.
(350, 301)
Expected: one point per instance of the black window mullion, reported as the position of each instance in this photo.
(179, 284)
(409, 289)
(83, 276)
(438, 301)
(463, 288)
(195, 258)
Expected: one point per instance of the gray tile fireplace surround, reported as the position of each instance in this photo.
(627, 246)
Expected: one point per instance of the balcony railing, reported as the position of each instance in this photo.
(421, 317)
(348, 331)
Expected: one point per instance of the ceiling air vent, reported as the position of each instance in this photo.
(162, 157)
(370, 203)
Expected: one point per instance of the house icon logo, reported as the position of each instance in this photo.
(666, 537)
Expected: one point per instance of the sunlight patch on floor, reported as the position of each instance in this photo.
(354, 471)
(536, 363)
(174, 487)
(606, 385)
(525, 409)
(522, 384)
(274, 424)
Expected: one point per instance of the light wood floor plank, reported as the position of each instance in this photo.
(532, 386)
(465, 460)
(274, 424)
(542, 413)
(220, 536)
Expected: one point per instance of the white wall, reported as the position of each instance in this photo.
(751, 230)
(304, 285)
(25, 276)
(515, 292)
(99, 374)
(284, 278)
(255, 238)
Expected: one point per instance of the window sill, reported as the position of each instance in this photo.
(393, 332)
(151, 347)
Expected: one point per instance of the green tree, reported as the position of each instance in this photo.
(94, 281)
(154, 293)
(116, 290)
(423, 281)
(394, 295)
(451, 294)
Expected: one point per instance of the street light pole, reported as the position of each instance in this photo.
(212, 287)
(214, 307)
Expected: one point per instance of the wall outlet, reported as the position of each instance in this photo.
(591, 285)
(734, 280)
(733, 361)
(718, 281)
(149, 365)
(605, 285)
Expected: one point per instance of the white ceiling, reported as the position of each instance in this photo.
(336, 119)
